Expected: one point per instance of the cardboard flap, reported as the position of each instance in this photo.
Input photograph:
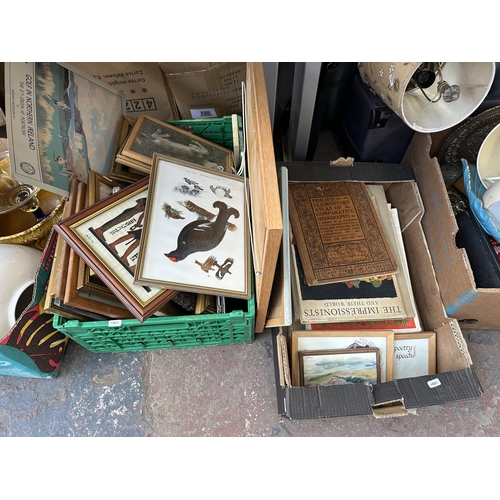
(429, 390)
(267, 223)
(457, 288)
(388, 400)
(332, 401)
(452, 352)
(462, 300)
(359, 171)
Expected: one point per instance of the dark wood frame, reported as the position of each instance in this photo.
(77, 233)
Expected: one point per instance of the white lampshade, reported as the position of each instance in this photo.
(466, 84)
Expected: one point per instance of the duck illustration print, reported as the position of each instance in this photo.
(207, 249)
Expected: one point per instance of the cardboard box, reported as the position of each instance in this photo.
(473, 307)
(206, 90)
(455, 379)
(143, 84)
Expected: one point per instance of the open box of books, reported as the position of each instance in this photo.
(392, 390)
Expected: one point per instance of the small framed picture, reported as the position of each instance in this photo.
(150, 135)
(383, 340)
(97, 234)
(339, 367)
(196, 229)
(99, 187)
(414, 354)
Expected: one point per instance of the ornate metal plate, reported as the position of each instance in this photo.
(465, 141)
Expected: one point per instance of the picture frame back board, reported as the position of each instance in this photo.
(150, 135)
(93, 233)
(267, 220)
(196, 229)
(304, 340)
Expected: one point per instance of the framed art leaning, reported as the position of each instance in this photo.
(414, 354)
(305, 340)
(150, 135)
(195, 234)
(98, 233)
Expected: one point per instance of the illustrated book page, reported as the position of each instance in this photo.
(339, 233)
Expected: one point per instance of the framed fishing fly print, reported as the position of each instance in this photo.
(196, 230)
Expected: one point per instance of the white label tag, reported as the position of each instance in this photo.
(114, 323)
(434, 383)
(204, 113)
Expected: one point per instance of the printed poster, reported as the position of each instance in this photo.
(61, 124)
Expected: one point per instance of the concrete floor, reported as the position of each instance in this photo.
(215, 391)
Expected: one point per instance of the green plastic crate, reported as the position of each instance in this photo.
(218, 130)
(130, 335)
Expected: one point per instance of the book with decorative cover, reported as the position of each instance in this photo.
(370, 299)
(339, 233)
(410, 324)
(386, 299)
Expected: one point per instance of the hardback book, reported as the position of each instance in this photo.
(385, 298)
(338, 231)
(410, 324)
(356, 300)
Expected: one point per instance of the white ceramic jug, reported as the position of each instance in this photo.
(18, 267)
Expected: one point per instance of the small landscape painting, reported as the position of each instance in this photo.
(339, 367)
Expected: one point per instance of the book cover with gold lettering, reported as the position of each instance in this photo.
(338, 232)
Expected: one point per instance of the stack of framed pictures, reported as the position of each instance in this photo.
(369, 357)
(184, 228)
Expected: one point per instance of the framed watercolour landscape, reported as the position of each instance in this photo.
(195, 235)
(304, 340)
(98, 235)
(339, 367)
(149, 136)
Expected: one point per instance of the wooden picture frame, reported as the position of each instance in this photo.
(93, 233)
(113, 308)
(339, 367)
(99, 187)
(150, 135)
(306, 340)
(414, 354)
(196, 231)
(122, 170)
